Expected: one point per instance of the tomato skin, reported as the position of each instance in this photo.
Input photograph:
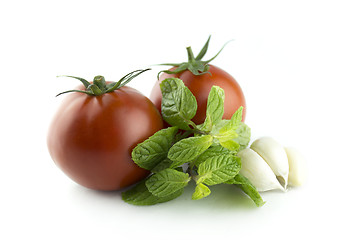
(200, 86)
(91, 137)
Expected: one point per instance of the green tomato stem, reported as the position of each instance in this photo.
(190, 53)
(100, 86)
(195, 65)
(99, 81)
(95, 89)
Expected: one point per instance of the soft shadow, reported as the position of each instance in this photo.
(222, 198)
(90, 196)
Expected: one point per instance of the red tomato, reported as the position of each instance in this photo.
(91, 137)
(200, 86)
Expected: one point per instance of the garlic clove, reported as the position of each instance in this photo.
(274, 155)
(254, 168)
(297, 167)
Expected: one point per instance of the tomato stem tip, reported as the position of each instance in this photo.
(194, 64)
(99, 85)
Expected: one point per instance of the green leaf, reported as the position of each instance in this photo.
(226, 140)
(248, 188)
(228, 135)
(214, 150)
(164, 164)
(178, 104)
(243, 135)
(218, 169)
(188, 149)
(140, 195)
(234, 122)
(230, 144)
(232, 134)
(154, 150)
(167, 182)
(215, 108)
(201, 191)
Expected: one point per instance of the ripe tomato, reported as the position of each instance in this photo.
(200, 86)
(91, 137)
(199, 76)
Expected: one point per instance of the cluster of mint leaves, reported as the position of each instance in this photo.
(184, 152)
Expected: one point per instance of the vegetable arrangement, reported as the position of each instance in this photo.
(107, 136)
(208, 150)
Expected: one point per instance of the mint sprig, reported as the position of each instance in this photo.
(201, 191)
(154, 150)
(205, 153)
(188, 149)
(167, 182)
(140, 195)
(218, 169)
(244, 183)
(214, 108)
(178, 105)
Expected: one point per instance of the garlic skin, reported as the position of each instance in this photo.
(258, 171)
(274, 155)
(297, 167)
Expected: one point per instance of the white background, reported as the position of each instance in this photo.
(296, 61)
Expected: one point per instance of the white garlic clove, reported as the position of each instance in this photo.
(297, 167)
(274, 155)
(258, 171)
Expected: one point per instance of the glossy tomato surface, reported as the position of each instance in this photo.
(200, 86)
(91, 137)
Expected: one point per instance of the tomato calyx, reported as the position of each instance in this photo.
(99, 86)
(194, 64)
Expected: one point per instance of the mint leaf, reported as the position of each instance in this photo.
(164, 164)
(178, 105)
(215, 108)
(154, 150)
(226, 140)
(232, 134)
(230, 144)
(244, 133)
(201, 191)
(214, 150)
(188, 149)
(228, 135)
(218, 169)
(245, 185)
(167, 182)
(233, 123)
(140, 195)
